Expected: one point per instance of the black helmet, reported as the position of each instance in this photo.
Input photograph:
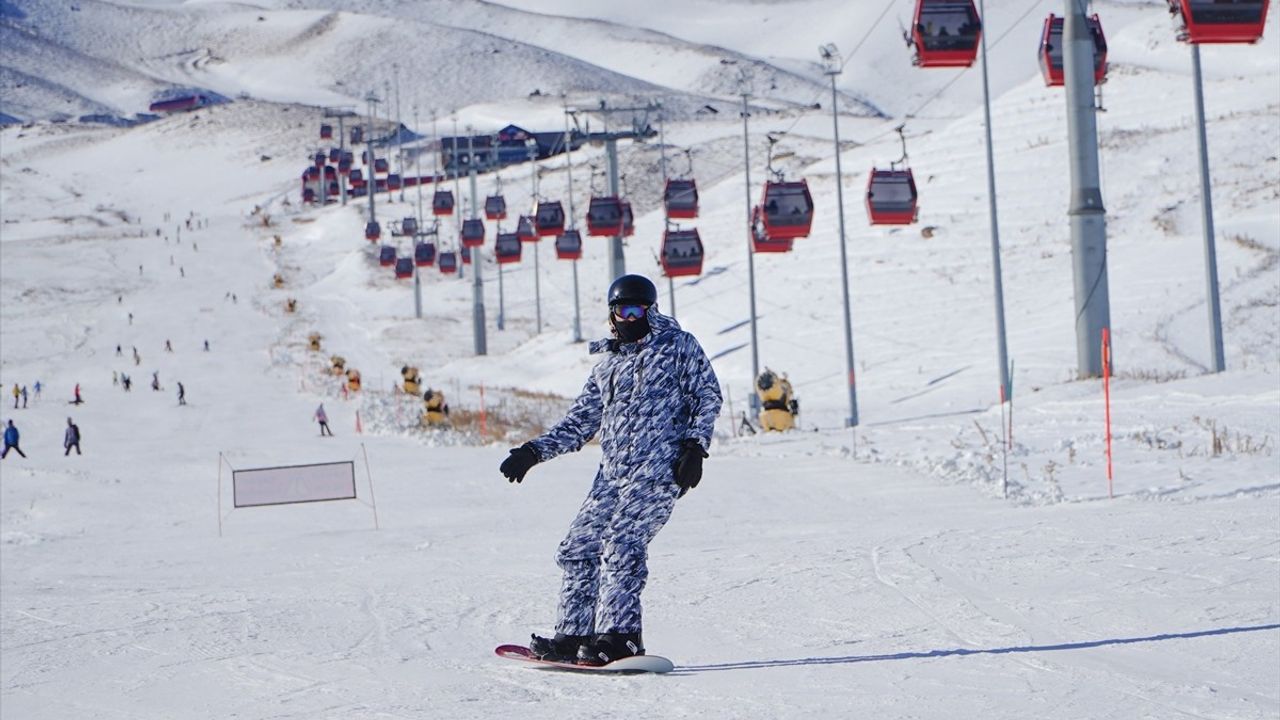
(633, 289)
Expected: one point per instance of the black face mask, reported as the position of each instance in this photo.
(630, 330)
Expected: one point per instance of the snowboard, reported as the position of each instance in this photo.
(635, 664)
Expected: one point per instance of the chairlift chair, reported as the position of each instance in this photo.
(604, 217)
(548, 220)
(1210, 22)
(387, 255)
(448, 262)
(1052, 51)
(495, 207)
(472, 233)
(760, 241)
(681, 253)
(424, 254)
(788, 209)
(442, 202)
(891, 197)
(507, 248)
(404, 268)
(569, 245)
(526, 231)
(946, 33)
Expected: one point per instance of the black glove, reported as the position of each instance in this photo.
(521, 459)
(689, 466)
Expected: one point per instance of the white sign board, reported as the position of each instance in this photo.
(294, 484)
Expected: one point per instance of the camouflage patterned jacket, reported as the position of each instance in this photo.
(643, 398)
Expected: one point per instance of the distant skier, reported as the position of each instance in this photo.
(11, 441)
(119, 351)
(24, 397)
(72, 438)
(182, 394)
(126, 381)
(16, 394)
(323, 419)
(78, 400)
(38, 386)
(206, 346)
(155, 381)
(168, 346)
(653, 401)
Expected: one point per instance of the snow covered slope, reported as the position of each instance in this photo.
(898, 577)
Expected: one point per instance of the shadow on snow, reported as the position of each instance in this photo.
(850, 659)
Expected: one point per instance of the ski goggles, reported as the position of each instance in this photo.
(630, 312)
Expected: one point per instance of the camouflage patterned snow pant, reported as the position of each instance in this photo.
(605, 554)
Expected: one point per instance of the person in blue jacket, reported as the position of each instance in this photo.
(11, 441)
(652, 400)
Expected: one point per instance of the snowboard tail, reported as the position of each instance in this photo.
(634, 664)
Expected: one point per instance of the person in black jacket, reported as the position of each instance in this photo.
(72, 438)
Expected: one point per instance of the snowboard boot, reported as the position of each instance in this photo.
(561, 648)
(604, 648)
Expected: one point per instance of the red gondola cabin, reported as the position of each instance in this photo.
(472, 233)
(549, 218)
(526, 231)
(1052, 51)
(495, 207)
(326, 132)
(404, 268)
(946, 33)
(1210, 21)
(569, 245)
(891, 197)
(507, 248)
(604, 217)
(372, 231)
(681, 199)
(387, 256)
(681, 253)
(448, 262)
(442, 202)
(788, 210)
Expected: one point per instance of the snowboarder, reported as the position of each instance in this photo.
(11, 441)
(323, 419)
(78, 400)
(182, 394)
(653, 400)
(72, 438)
